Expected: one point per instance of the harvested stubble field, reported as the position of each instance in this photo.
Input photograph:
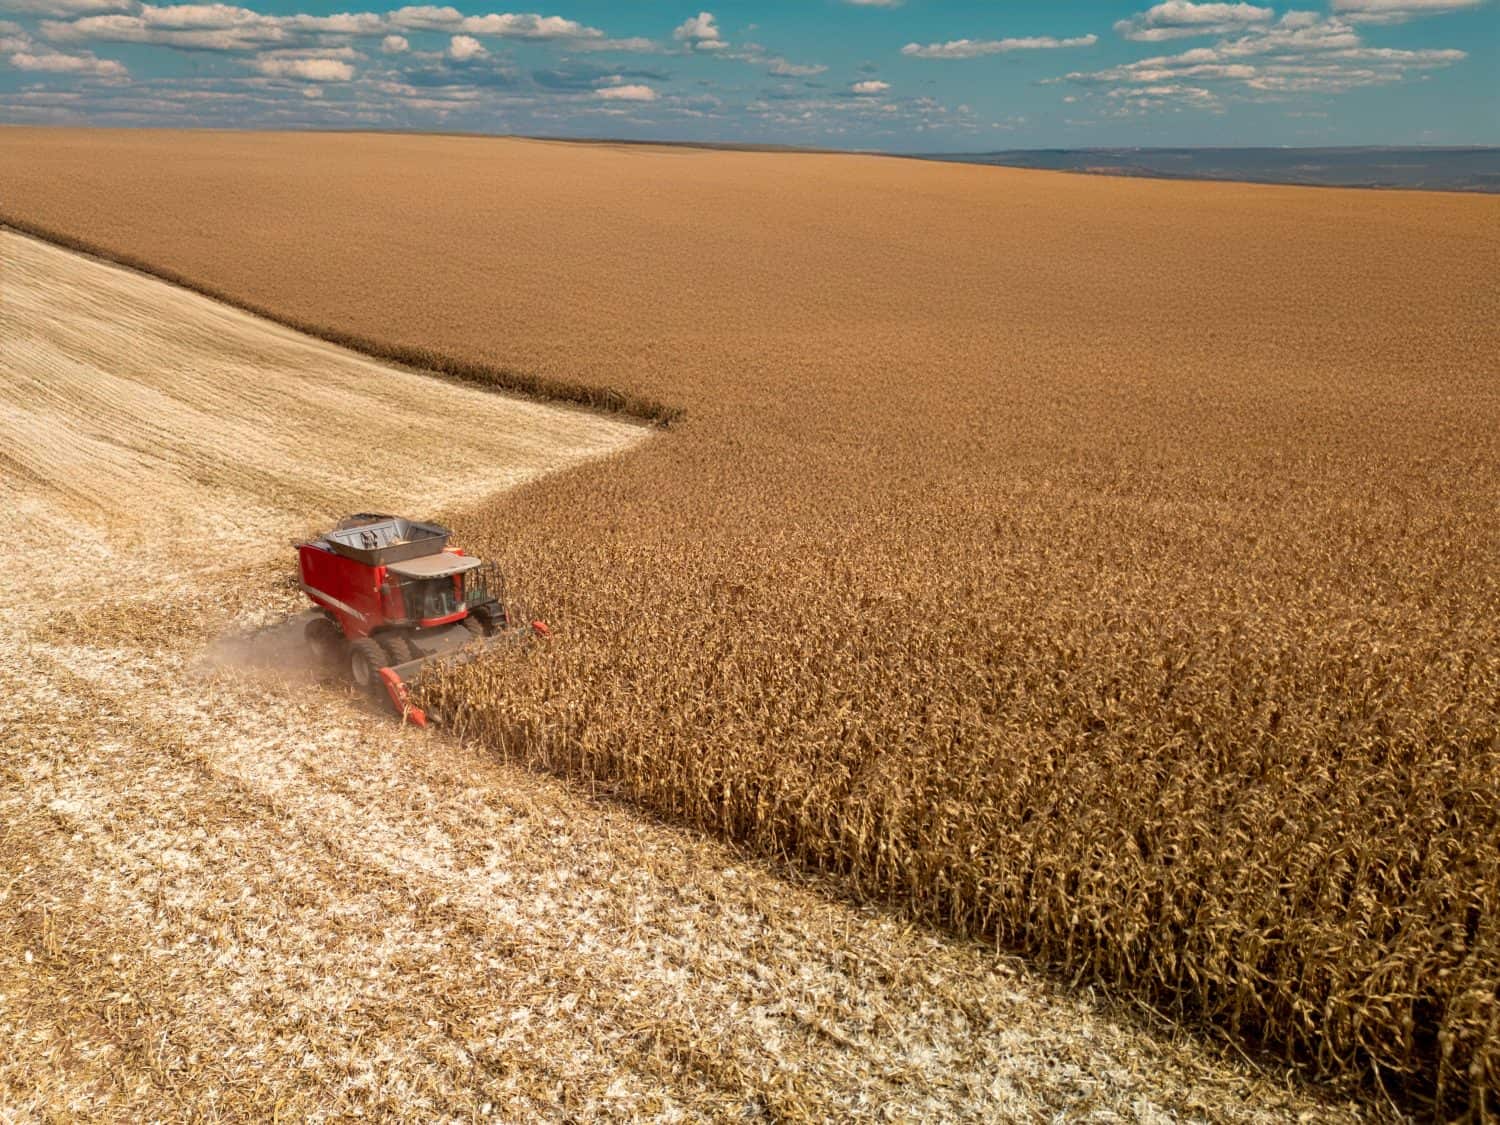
(1105, 567)
(229, 891)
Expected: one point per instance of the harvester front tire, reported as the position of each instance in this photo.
(397, 648)
(365, 662)
(472, 624)
(491, 618)
(323, 641)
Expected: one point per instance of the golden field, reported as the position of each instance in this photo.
(1105, 567)
(235, 890)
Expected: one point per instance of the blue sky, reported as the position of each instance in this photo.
(904, 75)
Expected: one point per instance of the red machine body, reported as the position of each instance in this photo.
(362, 598)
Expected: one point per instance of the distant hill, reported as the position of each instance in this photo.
(1430, 169)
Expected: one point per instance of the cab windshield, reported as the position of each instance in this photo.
(426, 598)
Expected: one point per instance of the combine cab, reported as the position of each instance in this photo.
(394, 596)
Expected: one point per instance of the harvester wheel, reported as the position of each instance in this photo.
(365, 662)
(323, 640)
(397, 648)
(490, 616)
(473, 625)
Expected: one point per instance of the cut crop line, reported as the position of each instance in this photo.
(426, 361)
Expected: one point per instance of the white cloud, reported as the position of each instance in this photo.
(637, 43)
(507, 25)
(65, 8)
(1178, 19)
(870, 86)
(202, 16)
(395, 44)
(501, 25)
(309, 70)
(346, 53)
(225, 27)
(425, 17)
(974, 48)
(58, 63)
(1300, 52)
(784, 69)
(342, 23)
(635, 93)
(248, 35)
(700, 33)
(1398, 11)
(208, 27)
(1138, 98)
(465, 47)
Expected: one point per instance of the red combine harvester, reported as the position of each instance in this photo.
(395, 596)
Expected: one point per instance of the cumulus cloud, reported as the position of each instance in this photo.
(700, 33)
(784, 69)
(203, 16)
(425, 17)
(66, 8)
(870, 86)
(245, 35)
(1301, 52)
(58, 63)
(395, 44)
(629, 93)
(226, 27)
(507, 25)
(343, 23)
(462, 48)
(974, 48)
(346, 53)
(501, 25)
(574, 76)
(306, 69)
(1142, 98)
(208, 27)
(13, 37)
(1398, 11)
(1179, 19)
(637, 43)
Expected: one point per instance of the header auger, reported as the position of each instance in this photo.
(394, 596)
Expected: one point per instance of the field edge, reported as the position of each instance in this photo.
(425, 361)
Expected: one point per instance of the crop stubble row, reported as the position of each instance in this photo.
(1106, 567)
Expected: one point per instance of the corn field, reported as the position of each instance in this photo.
(1105, 569)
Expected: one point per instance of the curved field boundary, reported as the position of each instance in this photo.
(422, 359)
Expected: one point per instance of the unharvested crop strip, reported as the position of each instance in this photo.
(429, 360)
